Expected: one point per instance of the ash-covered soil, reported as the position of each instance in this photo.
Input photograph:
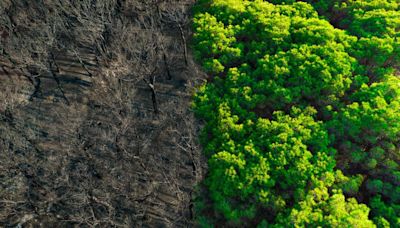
(95, 121)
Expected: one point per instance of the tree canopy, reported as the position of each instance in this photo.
(302, 112)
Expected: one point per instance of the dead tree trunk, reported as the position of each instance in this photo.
(184, 44)
(83, 64)
(36, 82)
(52, 62)
(151, 84)
(169, 76)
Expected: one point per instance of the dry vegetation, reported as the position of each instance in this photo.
(95, 127)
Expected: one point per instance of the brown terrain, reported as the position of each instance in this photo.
(95, 121)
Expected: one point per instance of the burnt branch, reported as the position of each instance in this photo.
(184, 43)
(52, 64)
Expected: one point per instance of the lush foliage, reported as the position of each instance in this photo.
(292, 99)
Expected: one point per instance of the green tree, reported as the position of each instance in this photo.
(290, 97)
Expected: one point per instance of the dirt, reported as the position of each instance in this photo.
(83, 142)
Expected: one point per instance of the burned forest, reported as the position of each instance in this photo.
(95, 121)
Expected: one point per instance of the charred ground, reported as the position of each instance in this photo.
(95, 126)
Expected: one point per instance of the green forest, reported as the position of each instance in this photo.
(301, 112)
